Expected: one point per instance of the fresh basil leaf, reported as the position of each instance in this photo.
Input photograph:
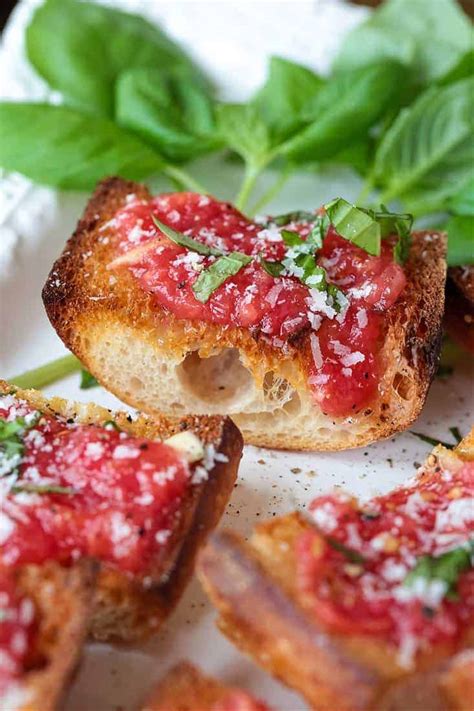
(59, 146)
(273, 268)
(217, 273)
(169, 110)
(358, 155)
(355, 225)
(429, 145)
(446, 568)
(429, 36)
(460, 229)
(343, 111)
(87, 380)
(28, 488)
(184, 240)
(245, 132)
(463, 202)
(289, 86)
(462, 70)
(80, 48)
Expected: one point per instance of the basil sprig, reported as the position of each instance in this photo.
(446, 568)
(366, 228)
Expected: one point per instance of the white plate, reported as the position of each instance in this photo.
(36, 222)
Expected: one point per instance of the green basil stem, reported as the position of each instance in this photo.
(272, 191)
(184, 179)
(49, 373)
(248, 184)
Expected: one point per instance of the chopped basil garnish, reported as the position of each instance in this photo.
(351, 555)
(11, 440)
(446, 568)
(87, 380)
(30, 488)
(217, 273)
(366, 228)
(354, 225)
(291, 239)
(185, 241)
(273, 268)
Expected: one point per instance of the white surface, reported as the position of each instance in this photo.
(232, 42)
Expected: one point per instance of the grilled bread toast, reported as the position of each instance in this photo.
(155, 361)
(186, 688)
(459, 315)
(60, 600)
(296, 637)
(128, 607)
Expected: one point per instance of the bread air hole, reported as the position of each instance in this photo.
(403, 386)
(218, 379)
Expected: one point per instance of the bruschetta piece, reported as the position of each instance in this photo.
(180, 303)
(359, 606)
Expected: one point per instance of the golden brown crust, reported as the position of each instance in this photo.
(126, 609)
(85, 308)
(459, 314)
(253, 587)
(62, 599)
(185, 688)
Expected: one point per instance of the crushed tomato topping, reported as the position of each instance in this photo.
(355, 566)
(120, 495)
(342, 335)
(17, 628)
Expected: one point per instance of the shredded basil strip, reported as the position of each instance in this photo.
(351, 555)
(366, 228)
(30, 488)
(217, 273)
(273, 268)
(355, 225)
(185, 241)
(446, 567)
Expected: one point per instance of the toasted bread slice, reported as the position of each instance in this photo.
(263, 611)
(127, 608)
(61, 598)
(459, 315)
(155, 361)
(186, 688)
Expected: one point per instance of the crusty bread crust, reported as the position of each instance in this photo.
(459, 314)
(154, 361)
(185, 688)
(126, 608)
(253, 587)
(62, 599)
